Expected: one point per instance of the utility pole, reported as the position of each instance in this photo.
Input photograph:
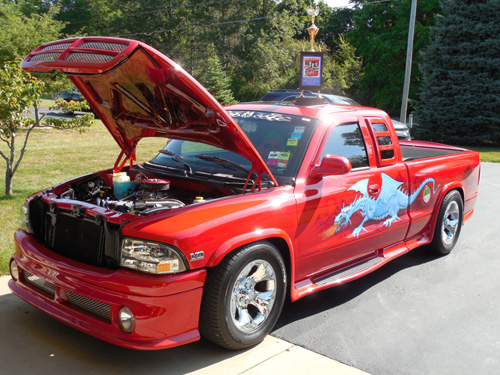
(409, 58)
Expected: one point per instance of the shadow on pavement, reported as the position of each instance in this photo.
(336, 296)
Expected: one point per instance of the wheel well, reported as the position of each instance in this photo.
(282, 247)
(284, 250)
(436, 211)
(460, 190)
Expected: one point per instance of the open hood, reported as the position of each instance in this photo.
(138, 92)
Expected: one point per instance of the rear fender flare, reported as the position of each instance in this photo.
(455, 185)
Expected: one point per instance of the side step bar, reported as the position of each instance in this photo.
(307, 286)
(345, 273)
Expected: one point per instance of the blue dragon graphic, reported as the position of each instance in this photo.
(391, 199)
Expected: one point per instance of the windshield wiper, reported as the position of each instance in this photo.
(218, 160)
(187, 167)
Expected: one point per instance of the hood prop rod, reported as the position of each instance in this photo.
(257, 183)
(130, 157)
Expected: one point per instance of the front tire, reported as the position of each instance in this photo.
(448, 224)
(243, 296)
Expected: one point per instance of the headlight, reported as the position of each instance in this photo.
(151, 257)
(24, 218)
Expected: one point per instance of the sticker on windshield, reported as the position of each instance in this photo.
(260, 115)
(292, 142)
(272, 159)
(282, 163)
(284, 156)
(249, 127)
(299, 129)
(296, 135)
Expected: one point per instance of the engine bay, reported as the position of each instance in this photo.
(138, 193)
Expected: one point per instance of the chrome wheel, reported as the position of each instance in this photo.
(450, 223)
(253, 296)
(243, 296)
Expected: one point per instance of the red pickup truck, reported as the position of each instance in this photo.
(244, 205)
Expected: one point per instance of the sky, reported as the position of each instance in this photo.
(337, 3)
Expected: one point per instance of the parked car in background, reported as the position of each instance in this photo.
(69, 95)
(402, 130)
(289, 95)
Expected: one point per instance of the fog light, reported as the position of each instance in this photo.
(14, 271)
(126, 319)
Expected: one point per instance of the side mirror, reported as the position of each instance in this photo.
(332, 165)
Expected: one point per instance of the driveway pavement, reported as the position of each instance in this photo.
(33, 343)
(419, 314)
(416, 315)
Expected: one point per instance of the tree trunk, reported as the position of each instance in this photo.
(8, 181)
(37, 114)
(9, 171)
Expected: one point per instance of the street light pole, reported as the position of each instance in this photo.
(409, 57)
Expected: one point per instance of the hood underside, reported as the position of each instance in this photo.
(138, 92)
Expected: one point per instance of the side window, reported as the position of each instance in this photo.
(347, 140)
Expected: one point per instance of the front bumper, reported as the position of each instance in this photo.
(166, 308)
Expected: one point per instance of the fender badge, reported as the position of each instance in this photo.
(197, 256)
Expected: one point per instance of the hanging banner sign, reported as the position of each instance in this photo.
(311, 70)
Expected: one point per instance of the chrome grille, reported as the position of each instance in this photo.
(89, 305)
(46, 57)
(57, 46)
(108, 46)
(39, 283)
(89, 57)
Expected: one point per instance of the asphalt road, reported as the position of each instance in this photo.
(52, 113)
(419, 314)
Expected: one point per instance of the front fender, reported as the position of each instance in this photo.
(246, 238)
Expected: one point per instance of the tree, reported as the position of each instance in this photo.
(460, 98)
(20, 34)
(342, 70)
(380, 34)
(216, 81)
(18, 91)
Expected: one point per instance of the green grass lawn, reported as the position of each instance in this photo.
(488, 154)
(54, 156)
(46, 103)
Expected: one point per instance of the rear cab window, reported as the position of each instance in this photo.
(385, 142)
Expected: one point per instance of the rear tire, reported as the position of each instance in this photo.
(448, 224)
(243, 296)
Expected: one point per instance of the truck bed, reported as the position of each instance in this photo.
(416, 150)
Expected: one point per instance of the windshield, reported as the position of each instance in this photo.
(281, 140)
